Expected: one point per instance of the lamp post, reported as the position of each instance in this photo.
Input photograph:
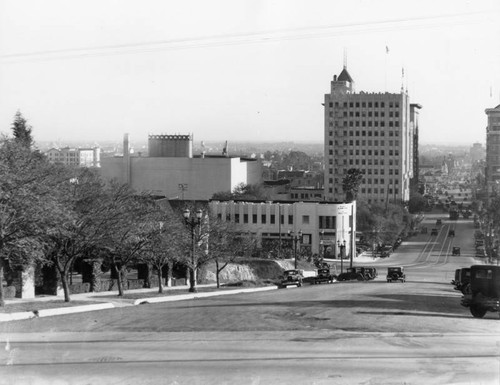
(295, 238)
(342, 251)
(321, 245)
(192, 222)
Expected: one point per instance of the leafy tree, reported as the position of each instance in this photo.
(225, 244)
(417, 203)
(29, 205)
(80, 232)
(165, 244)
(22, 131)
(128, 228)
(250, 192)
(351, 182)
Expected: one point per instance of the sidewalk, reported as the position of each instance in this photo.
(110, 300)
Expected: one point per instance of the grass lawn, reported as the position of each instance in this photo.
(39, 305)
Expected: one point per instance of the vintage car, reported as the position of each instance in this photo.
(439, 222)
(370, 273)
(324, 275)
(434, 231)
(385, 251)
(480, 253)
(484, 293)
(292, 277)
(352, 274)
(455, 250)
(396, 273)
(451, 233)
(462, 280)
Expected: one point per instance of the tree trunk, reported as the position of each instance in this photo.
(2, 301)
(192, 280)
(217, 273)
(119, 280)
(170, 267)
(160, 277)
(65, 285)
(63, 273)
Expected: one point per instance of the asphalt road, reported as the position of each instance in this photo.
(343, 333)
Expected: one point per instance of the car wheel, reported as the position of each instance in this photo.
(299, 284)
(477, 311)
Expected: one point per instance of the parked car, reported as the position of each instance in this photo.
(434, 231)
(439, 222)
(484, 290)
(352, 274)
(386, 251)
(451, 233)
(396, 273)
(292, 277)
(480, 253)
(370, 273)
(324, 275)
(455, 250)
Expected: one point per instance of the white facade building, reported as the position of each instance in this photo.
(81, 157)
(324, 225)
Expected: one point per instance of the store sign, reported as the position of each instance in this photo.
(344, 210)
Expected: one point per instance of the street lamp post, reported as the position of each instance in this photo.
(192, 222)
(342, 251)
(295, 238)
(321, 245)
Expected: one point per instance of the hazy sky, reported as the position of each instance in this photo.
(241, 70)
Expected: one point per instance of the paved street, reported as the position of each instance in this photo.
(348, 332)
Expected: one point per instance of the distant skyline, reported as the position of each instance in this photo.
(241, 70)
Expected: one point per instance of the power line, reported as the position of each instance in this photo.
(247, 38)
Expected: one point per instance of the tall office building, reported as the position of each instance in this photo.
(492, 171)
(370, 132)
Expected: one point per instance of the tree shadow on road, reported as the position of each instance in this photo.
(390, 304)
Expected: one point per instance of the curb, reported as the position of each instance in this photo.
(51, 312)
(84, 308)
(182, 297)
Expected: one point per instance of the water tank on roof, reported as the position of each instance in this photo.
(170, 146)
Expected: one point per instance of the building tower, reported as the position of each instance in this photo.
(370, 132)
(414, 113)
(492, 170)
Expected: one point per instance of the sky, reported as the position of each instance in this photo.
(241, 70)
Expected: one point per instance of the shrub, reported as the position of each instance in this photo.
(79, 288)
(9, 292)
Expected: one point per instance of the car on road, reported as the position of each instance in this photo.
(292, 278)
(462, 280)
(480, 253)
(323, 275)
(484, 290)
(386, 251)
(455, 250)
(396, 273)
(451, 233)
(434, 231)
(353, 274)
(439, 222)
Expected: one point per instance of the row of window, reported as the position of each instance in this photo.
(364, 142)
(364, 104)
(367, 171)
(368, 162)
(370, 190)
(370, 181)
(369, 114)
(362, 123)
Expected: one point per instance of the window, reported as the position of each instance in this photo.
(273, 219)
(245, 218)
(290, 219)
(237, 218)
(219, 217)
(305, 219)
(282, 219)
(254, 218)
